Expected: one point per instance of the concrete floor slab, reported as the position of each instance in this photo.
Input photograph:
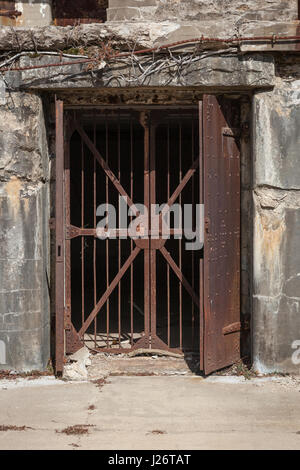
(189, 411)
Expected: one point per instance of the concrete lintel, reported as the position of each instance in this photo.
(223, 71)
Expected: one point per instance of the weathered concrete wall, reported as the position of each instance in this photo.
(24, 209)
(33, 13)
(276, 309)
(234, 11)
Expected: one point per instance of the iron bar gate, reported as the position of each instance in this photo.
(121, 292)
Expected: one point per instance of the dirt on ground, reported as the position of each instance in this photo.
(32, 375)
(120, 365)
(76, 430)
(6, 428)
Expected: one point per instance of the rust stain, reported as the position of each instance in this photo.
(13, 188)
(283, 112)
(273, 230)
(9, 6)
(26, 206)
(5, 21)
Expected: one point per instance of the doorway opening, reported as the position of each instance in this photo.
(123, 292)
(126, 293)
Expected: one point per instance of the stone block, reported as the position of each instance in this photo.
(123, 13)
(275, 330)
(276, 303)
(24, 277)
(277, 137)
(34, 13)
(131, 3)
(24, 234)
(23, 143)
(279, 28)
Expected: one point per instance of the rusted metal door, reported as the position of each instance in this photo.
(222, 326)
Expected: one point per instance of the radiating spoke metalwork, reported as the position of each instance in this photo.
(133, 315)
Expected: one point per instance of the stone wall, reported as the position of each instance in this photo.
(276, 309)
(230, 12)
(24, 213)
(233, 11)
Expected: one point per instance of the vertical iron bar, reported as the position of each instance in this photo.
(180, 240)
(168, 266)
(193, 253)
(59, 220)
(145, 123)
(119, 240)
(152, 251)
(107, 241)
(131, 241)
(201, 267)
(67, 242)
(82, 238)
(94, 241)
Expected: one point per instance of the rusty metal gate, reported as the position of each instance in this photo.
(119, 292)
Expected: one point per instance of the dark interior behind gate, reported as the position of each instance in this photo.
(161, 148)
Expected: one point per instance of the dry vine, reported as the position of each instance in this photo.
(118, 70)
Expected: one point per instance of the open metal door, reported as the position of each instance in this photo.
(222, 326)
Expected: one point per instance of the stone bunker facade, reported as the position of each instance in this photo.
(247, 50)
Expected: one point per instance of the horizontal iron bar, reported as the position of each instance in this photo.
(72, 232)
(10, 13)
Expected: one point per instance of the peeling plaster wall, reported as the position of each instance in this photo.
(276, 308)
(24, 209)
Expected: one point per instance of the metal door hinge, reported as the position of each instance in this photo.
(236, 327)
(52, 223)
(233, 328)
(231, 131)
(207, 224)
(245, 131)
